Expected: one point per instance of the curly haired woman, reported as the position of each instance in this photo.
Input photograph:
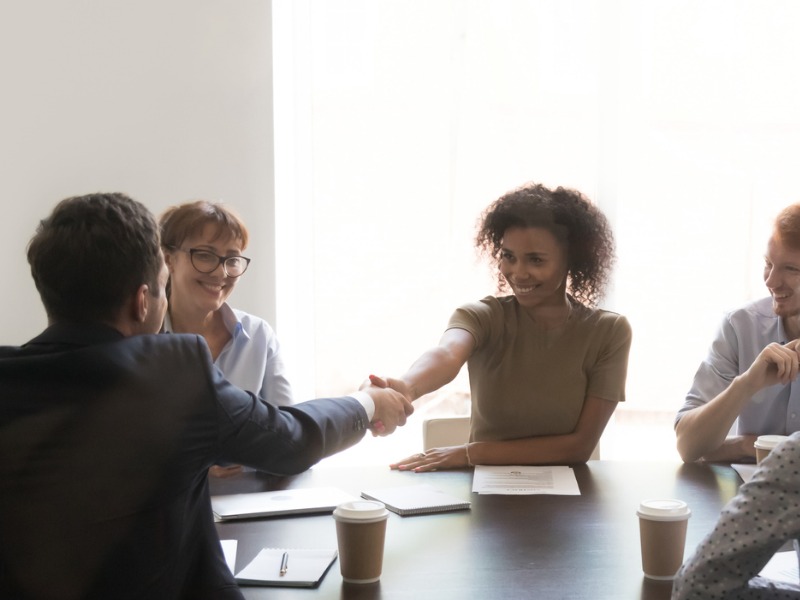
(546, 366)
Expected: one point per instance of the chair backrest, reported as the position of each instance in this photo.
(452, 431)
(444, 431)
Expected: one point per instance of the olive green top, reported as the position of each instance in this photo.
(530, 381)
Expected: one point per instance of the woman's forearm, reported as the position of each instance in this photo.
(434, 369)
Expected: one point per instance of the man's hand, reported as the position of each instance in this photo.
(702, 432)
(391, 409)
(775, 364)
(389, 382)
(735, 449)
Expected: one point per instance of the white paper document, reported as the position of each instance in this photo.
(783, 567)
(745, 471)
(229, 551)
(287, 568)
(520, 480)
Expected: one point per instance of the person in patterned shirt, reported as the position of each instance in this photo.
(752, 527)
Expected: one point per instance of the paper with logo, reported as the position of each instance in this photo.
(520, 480)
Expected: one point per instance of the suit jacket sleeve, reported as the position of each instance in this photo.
(282, 440)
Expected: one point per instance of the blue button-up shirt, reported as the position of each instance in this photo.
(744, 333)
(251, 359)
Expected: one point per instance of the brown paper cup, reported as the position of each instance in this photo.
(662, 531)
(360, 533)
(765, 443)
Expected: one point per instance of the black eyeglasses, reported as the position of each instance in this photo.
(207, 262)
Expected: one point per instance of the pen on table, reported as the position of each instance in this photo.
(284, 563)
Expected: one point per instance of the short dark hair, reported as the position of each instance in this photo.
(575, 222)
(91, 254)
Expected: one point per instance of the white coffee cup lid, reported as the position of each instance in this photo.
(361, 510)
(768, 442)
(664, 510)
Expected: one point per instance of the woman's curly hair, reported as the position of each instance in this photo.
(571, 218)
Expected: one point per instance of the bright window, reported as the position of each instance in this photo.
(398, 122)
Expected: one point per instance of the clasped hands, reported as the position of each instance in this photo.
(450, 457)
(392, 407)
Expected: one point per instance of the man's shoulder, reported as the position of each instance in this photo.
(166, 347)
(167, 340)
(9, 351)
(754, 318)
(755, 310)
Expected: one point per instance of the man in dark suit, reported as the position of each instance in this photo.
(107, 431)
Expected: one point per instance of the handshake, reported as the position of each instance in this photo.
(392, 404)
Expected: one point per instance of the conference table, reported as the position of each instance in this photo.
(506, 546)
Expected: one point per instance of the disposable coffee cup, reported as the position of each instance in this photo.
(765, 443)
(360, 533)
(662, 529)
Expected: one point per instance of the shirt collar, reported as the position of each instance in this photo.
(77, 334)
(232, 321)
(229, 317)
(782, 336)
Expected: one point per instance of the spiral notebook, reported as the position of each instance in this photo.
(287, 567)
(416, 500)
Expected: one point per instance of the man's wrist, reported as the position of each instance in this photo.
(742, 385)
(365, 400)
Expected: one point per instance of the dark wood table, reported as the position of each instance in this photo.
(505, 547)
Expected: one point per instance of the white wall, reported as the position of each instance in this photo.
(163, 100)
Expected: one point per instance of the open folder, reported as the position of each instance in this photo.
(278, 503)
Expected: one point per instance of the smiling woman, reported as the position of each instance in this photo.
(534, 264)
(546, 367)
(203, 244)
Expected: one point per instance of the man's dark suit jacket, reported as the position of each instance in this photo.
(105, 442)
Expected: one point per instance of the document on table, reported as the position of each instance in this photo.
(782, 567)
(520, 480)
(281, 567)
(229, 551)
(288, 567)
(744, 471)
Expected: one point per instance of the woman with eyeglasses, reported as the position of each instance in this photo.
(203, 244)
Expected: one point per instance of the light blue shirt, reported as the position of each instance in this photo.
(744, 333)
(251, 360)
